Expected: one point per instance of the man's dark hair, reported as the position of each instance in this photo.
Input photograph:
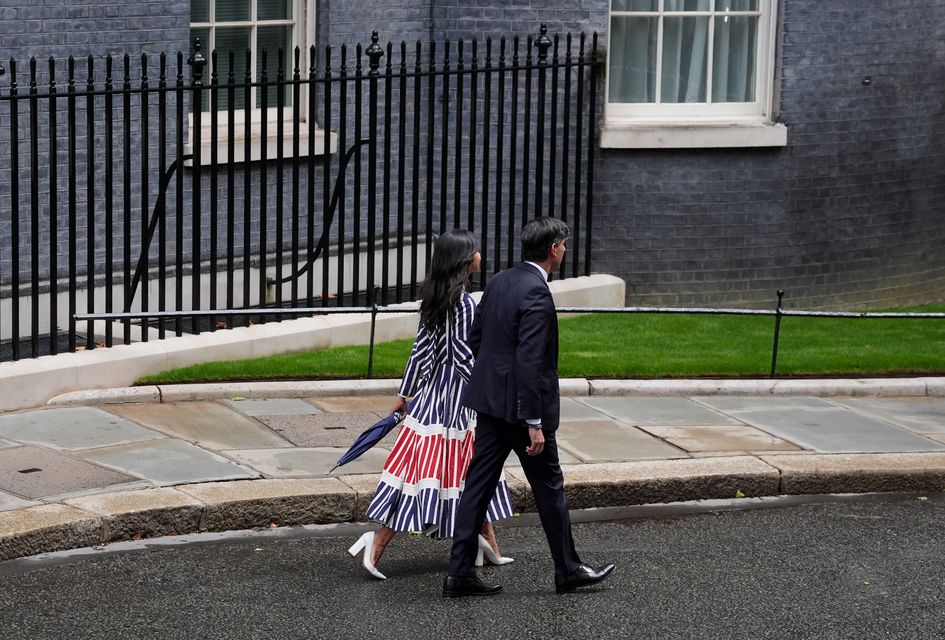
(538, 236)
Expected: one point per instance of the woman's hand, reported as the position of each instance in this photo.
(400, 405)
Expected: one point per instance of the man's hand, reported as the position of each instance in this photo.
(538, 442)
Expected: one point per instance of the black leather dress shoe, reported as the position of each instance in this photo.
(459, 586)
(583, 576)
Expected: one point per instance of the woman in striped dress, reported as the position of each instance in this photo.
(423, 477)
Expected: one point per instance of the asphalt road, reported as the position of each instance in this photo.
(849, 569)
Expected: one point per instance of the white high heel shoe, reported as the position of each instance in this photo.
(366, 543)
(486, 552)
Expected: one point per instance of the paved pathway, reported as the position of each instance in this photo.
(76, 456)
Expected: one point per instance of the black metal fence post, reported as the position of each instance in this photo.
(374, 293)
(374, 53)
(197, 62)
(777, 333)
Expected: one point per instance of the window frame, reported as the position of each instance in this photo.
(701, 124)
(304, 13)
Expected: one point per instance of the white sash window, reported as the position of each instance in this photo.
(255, 26)
(691, 65)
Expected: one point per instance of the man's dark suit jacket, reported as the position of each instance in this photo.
(515, 340)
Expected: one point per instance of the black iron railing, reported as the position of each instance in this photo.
(153, 184)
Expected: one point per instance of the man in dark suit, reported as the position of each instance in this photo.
(514, 389)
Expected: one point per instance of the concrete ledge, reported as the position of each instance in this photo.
(859, 472)
(864, 387)
(108, 396)
(30, 383)
(48, 527)
(245, 504)
(680, 387)
(574, 387)
(147, 513)
(630, 483)
(934, 387)
(312, 389)
(821, 387)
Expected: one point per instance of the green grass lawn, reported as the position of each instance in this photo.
(651, 346)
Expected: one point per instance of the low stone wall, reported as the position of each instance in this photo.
(29, 383)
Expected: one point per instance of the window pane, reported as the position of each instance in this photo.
(736, 5)
(636, 5)
(199, 10)
(238, 69)
(632, 74)
(733, 63)
(271, 39)
(686, 5)
(273, 10)
(232, 10)
(685, 45)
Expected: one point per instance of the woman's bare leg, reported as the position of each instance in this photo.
(488, 532)
(381, 537)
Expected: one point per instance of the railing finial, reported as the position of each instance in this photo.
(197, 62)
(543, 42)
(374, 52)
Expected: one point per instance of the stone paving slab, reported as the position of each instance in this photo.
(608, 441)
(921, 415)
(9, 502)
(326, 429)
(564, 457)
(208, 424)
(272, 406)
(573, 410)
(719, 438)
(825, 428)
(356, 404)
(725, 404)
(302, 462)
(657, 411)
(71, 429)
(168, 462)
(34, 472)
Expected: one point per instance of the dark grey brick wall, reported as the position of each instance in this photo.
(849, 214)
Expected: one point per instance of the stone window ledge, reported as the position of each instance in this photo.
(666, 135)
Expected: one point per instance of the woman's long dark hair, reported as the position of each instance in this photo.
(450, 270)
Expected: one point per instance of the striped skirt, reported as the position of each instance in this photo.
(423, 479)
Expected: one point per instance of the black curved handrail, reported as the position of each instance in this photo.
(156, 215)
(160, 210)
(313, 254)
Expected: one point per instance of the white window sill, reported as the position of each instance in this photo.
(255, 147)
(663, 135)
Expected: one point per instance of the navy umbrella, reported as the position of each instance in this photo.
(371, 436)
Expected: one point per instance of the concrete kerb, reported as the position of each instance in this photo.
(218, 506)
(572, 387)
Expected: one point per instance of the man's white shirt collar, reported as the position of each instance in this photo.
(544, 274)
